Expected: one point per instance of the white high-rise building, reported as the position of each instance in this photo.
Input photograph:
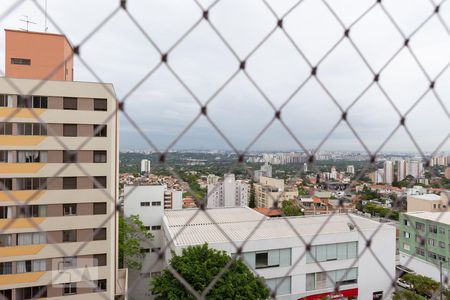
(265, 170)
(227, 193)
(415, 168)
(305, 167)
(439, 161)
(401, 169)
(351, 169)
(388, 172)
(145, 166)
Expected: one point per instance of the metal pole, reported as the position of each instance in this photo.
(440, 279)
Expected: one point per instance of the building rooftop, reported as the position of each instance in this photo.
(441, 217)
(428, 197)
(218, 225)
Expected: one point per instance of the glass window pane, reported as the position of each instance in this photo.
(274, 257)
(285, 257)
(352, 249)
(331, 252)
(342, 251)
(321, 253)
(285, 286)
(310, 282)
(249, 258)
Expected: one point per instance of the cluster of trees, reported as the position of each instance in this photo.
(191, 179)
(199, 266)
(131, 233)
(290, 208)
(376, 210)
(424, 287)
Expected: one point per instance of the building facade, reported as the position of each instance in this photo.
(145, 166)
(388, 172)
(58, 182)
(425, 242)
(428, 202)
(149, 203)
(227, 193)
(270, 190)
(276, 250)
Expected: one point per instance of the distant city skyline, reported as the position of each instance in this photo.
(162, 107)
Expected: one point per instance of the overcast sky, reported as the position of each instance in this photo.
(162, 107)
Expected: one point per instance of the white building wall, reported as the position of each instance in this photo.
(371, 276)
(422, 267)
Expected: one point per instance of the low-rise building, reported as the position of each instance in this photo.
(428, 202)
(276, 252)
(424, 243)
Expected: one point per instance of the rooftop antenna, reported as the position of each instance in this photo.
(45, 26)
(26, 21)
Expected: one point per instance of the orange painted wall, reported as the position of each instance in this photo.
(51, 55)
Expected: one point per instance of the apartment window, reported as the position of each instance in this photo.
(145, 203)
(20, 61)
(100, 104)
(40, 102)
(431, 242)
(101, 285)
(420, 226)
(31, 129)
(99, 260)
(5, 100)
(99, 182)
(38, 265)
(156, 203)
(5, 212)
(432, 255)
(100, 156)
(441, 258)
(441, 230)
(420, 251)
(69, 129)
(70, 103)
(34, 238)
(406, 247)
(406, 234)
(5, 240)
(32, 156)
(5, 156)
(145, 250)
(70, 209)
(69, 183)
(6, 294)
(283, 283)
(24, 101)
(441, 245)
(33, 292)
(69, 236)
(147, 227)
(31, 211)
(99, 234)
(6, 184)
(100, 208)
(37, 183)
(70, 288)
(432, 228)
(5, 268)
(405, 221)
(156, 250)
(69, 156)
(156, 227)
(100, 130)
(68, 262)
(5, 128)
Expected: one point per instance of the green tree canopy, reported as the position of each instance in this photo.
(131, 233)
(289, 208)
(199, 265)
